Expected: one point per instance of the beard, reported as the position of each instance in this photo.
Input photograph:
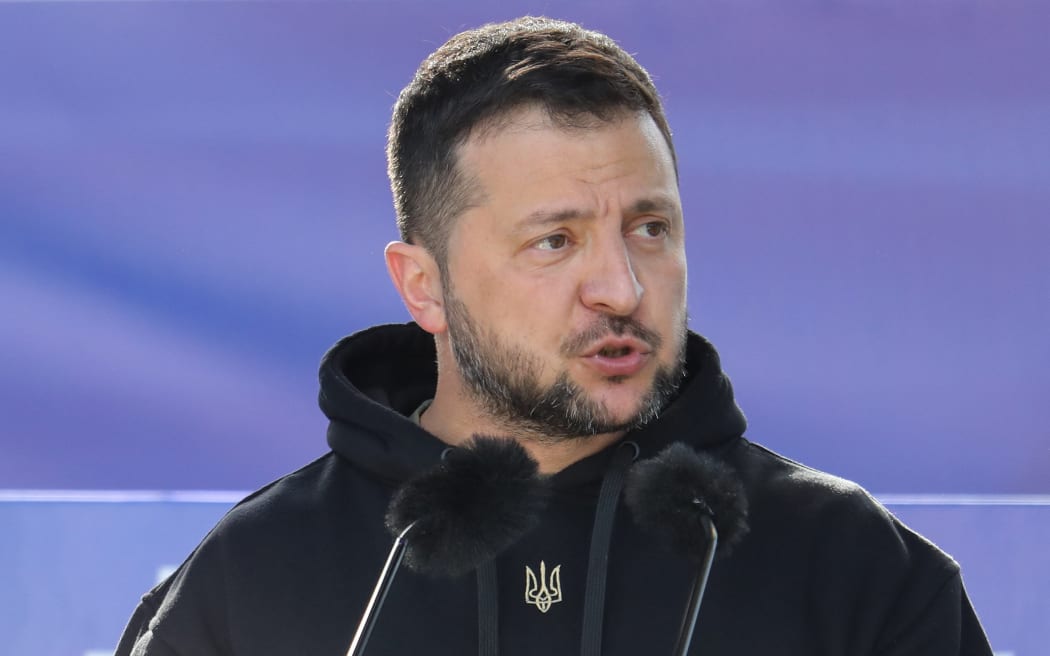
(505, 379)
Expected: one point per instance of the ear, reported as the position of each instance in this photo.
(417, 278)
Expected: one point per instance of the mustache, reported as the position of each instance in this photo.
(611, 325)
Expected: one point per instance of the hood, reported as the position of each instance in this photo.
(373, 380)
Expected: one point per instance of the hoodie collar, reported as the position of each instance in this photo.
(371, 382)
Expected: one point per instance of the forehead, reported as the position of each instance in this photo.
(538, 115)
(526, 157)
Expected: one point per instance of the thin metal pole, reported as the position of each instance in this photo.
(692, 611)
(375, 604)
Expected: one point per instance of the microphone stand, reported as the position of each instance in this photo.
(375, 604)
(692, 610)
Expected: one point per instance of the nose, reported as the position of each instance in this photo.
(610, 285)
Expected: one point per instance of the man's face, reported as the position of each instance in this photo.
(565, 285)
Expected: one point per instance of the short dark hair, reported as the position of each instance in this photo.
(578, 76)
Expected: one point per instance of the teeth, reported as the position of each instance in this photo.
(615, 352)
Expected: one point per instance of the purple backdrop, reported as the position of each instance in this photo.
(193, 208)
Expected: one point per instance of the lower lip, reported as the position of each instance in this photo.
(626, 365)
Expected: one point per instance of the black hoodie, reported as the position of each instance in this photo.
(823, 571)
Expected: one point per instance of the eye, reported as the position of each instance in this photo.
(553, 243)
(652, 229)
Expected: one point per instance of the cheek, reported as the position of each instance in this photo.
(542, 313)
(522, 305)
(666, 281)
(679, 273)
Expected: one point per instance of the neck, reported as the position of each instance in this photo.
(454, 419)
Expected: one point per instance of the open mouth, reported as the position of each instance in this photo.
(618, 358)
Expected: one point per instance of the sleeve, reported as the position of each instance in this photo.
(184, 615)
(138, 626)
(974, 641)
(147, 645)
(944, 625)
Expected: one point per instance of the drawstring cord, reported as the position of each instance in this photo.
(597, 566)
(601, 537)
(488, 610)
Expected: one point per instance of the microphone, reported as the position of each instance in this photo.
(480, 499)
(695, 503)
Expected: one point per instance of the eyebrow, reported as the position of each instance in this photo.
(653, 204)
(545, 217)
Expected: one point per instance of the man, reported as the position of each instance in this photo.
(543, 262)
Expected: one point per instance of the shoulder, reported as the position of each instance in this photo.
(277, 516)
(794, 493)
(849, 553)
(828, 508)
(304, 535)
(785, 474)
(326, 497)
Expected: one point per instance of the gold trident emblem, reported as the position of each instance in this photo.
(541, 593)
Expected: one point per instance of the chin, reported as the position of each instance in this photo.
(622, 405)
